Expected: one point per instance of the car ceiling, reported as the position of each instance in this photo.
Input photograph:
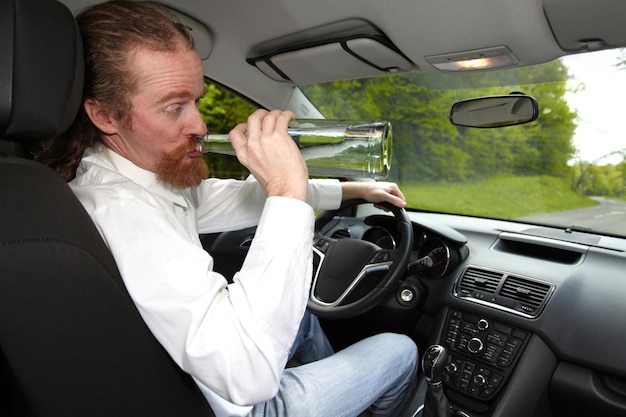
(534, 30)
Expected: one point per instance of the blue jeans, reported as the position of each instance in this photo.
(377, 374)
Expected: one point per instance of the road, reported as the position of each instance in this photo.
(608, 216)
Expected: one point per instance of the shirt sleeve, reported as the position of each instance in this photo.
(225, 205)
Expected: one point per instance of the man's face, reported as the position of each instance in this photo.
(165, 119)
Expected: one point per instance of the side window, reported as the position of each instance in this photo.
(222, 110)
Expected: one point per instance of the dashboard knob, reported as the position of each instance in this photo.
(480, 380)
(482, 325)
(452, 369)
(475, 345)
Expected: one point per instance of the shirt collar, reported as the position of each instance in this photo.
(143, 177)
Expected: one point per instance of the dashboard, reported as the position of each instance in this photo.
(526, 312)
(533, 317)
(435, 250)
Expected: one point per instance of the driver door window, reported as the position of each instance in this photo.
(222, 110)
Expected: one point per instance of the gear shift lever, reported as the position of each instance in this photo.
(433, 363)
(434, 360)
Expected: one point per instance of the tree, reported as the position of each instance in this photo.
(428, 147)
(221, 111)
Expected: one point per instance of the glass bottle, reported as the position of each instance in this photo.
(331, 148)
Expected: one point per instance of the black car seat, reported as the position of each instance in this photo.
(71, 341)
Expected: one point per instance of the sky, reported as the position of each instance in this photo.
(601, 128)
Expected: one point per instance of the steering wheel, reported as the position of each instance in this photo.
(351, 276)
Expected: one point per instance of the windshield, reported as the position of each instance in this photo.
(566, 169)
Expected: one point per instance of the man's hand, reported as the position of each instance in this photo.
(266, 149)
(374, 192)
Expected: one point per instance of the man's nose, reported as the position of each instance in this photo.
(198, 124)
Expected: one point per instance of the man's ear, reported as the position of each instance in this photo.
(100, 117)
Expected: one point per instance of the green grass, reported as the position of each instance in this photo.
(502, 197)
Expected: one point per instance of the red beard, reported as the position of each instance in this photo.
(180, 170)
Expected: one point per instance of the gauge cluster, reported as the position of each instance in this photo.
(434, 253)
(433, 258)
(381, 236)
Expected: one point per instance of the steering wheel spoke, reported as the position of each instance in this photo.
(382, 256)
(351, 276)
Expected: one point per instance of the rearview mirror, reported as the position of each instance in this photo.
(495, 111)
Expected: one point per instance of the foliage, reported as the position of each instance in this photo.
(223, 110)
(429, 150)
(427, 147)
(599, 180)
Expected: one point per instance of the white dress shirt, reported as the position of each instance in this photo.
(233, 339)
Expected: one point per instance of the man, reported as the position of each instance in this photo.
(133, 162)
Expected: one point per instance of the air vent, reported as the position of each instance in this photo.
(512, 293)
(341, 234)
(481, 280)
(531, 294)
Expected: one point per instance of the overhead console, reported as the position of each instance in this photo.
(352, 47)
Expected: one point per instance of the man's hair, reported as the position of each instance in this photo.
(112, 32)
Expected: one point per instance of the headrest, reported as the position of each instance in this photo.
(41, 69)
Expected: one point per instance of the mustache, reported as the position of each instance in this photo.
(180, 152)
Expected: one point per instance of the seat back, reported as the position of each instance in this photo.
(72, 342)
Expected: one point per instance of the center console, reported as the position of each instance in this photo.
(482, 354)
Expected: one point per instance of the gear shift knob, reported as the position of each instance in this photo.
(433, 363)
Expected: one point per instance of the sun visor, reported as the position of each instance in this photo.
(331, 58)
(580, 25)
(200, 33)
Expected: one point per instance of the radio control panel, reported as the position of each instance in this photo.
(483, 353)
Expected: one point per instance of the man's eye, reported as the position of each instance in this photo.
(174, 108)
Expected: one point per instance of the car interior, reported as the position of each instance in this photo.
(511, 318)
